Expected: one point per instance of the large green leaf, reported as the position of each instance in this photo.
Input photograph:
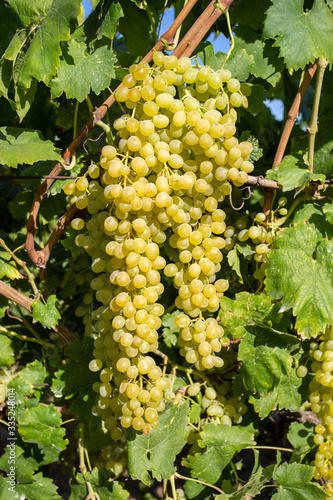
(89, 71)
(300, 274)
(316, 217)
(300, 436)
(29, 11)
(156, 452)
(102, 21)
(18, 146)
(265, 360)
(42, 57)
(136, 21)
(41, 488)
(24, 467)
(249, 12)
(301, 35)
(293, 173)
(266, 61)
(221, 443)
(294, 483)
(269, 371)
(40, 425)
(9, 23)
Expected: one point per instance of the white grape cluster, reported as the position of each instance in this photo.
(218, 407)
(321, 400)
(175, 161)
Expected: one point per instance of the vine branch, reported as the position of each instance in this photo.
(290, 122)
(22, 300)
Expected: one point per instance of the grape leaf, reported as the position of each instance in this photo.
(266, 61)
(75, 379)
(256, 152)
(170, 329)
(48, 315)
(19, 207)
(18, 146)
(69, 242)
(102, 21)
(102, 483)
(300, 274)
(39, 489)
(249, 12)
(252, 487)
(157, 451)
(136, 21)
(300, 436)
(24, 467)
(297, 25)
(24, 99)
(7, 353)
(222, 443)
(34, 373)
(8, 26)
(9, 270)
(240, 64)
(247, 309)
(293, 173)
(234, 262)
(264, 362)
(328, 211)
(256, 99)
(323, 155)
(286, 394)
(315, 218)
(42, 57)
(89, 71)
(294, 483)
(40, 425)
(29, 11)
(207, 55)
(3, 305)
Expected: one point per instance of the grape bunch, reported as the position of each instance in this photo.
(176, 159)
(216, 405)
(321, 399)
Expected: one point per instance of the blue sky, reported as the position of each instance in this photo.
(221, 43)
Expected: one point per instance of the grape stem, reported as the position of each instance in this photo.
(179, 476)
(232, 41)
(82, 466)
(173, 487)
(24, 338)
(268, 448)
(313, 125)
